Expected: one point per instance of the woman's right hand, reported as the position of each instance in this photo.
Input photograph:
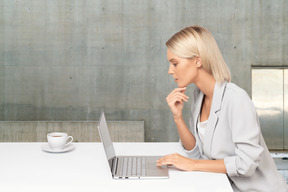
(175, 101)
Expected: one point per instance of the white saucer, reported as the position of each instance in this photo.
(47, 148)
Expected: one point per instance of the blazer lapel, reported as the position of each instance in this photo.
(197, 108)
(213, 117)
(196, 112)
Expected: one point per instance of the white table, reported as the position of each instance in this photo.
(25, 167)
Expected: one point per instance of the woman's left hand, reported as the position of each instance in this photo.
(177, 161)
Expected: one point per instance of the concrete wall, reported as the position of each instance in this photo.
(68, 60)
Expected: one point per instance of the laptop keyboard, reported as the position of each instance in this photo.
(133, 166)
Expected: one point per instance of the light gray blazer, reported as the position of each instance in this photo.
(233, 133)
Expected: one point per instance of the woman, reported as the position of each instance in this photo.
(224, 135)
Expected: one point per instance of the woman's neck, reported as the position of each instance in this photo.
(206, 83)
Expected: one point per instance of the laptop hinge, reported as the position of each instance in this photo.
(114, 166)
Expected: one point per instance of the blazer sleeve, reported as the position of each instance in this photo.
(246, 133)
(193, 154)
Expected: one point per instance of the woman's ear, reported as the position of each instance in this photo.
(198, 62)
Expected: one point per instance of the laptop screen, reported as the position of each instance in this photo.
(106, 139)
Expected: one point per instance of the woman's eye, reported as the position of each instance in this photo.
(175, 64)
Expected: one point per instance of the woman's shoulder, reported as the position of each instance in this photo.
(235, 96)
(234, 91)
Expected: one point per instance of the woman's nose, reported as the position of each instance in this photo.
(170, 71)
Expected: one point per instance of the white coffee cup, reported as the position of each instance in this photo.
(58, 140)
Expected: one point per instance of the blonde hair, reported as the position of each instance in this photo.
(197, 41)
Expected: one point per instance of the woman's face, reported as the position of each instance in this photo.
(184, 71)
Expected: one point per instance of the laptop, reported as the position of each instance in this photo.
(129, 167)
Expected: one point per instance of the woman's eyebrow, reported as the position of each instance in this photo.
(171, 60)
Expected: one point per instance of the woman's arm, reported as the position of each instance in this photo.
(175, 101)
(187, 138)
(187, 164)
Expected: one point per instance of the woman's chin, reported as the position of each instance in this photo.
(181, 85)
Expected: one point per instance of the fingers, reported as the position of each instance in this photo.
(181, 90)
(167, 160)
(175, 101)
(177, 95)
(178, 161)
